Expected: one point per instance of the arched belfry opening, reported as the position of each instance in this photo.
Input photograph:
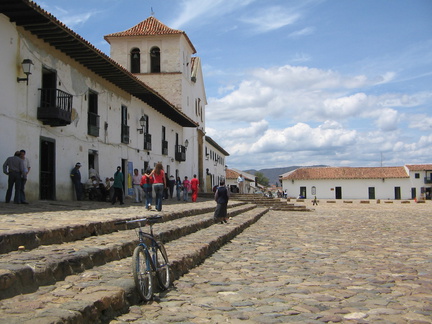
(155, 60)
(135, 60)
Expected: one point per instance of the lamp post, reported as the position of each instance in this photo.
(26, 67)
(142, 123)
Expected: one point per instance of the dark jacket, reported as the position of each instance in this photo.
(221, 195)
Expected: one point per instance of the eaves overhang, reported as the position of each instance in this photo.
(28, 15)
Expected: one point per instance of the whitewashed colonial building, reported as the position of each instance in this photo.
(80, 105)
(405, 182)
(214, 163)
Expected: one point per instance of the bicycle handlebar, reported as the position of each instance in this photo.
(151, 219)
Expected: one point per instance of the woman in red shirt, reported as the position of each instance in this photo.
(159, 183)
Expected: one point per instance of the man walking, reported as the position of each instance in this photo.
(194, 187)
(14, 168)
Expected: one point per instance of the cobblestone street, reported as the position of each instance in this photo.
(350, 263)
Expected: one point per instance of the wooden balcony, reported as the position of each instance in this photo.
(55, 107)
(180, 153)
(147, 142)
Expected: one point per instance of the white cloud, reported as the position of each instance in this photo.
(302, 32)
(271, 18)
(310, 115)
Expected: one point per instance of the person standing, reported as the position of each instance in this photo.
(194, 187)
(118, 186)
(159, 184)
(24, 177)
(14, 168)
(136, 184)
(186, 188)
(147, 185)
(240, 182)
(221, 198)
(75, 175)
(171, 184)
(179, 187)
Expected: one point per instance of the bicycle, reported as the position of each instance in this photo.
(149, 260)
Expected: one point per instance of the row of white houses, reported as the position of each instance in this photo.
(143, 104)
(404, 182)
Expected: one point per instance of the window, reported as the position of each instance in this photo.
(155, 60)
(164, 142)
(417, 175)
(135, 61)
(124, 126)
(92, 114)
(147, 136)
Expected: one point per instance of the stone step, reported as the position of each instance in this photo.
(273, 203)
(103, 292)
(24, 272)
(30, 238)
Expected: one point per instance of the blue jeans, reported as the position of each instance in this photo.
(158, 188)
(148, 194)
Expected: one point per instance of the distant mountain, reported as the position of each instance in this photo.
(273, 174)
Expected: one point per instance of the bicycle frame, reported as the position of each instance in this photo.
(146, 257)
(149, 250)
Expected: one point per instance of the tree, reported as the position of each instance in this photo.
(261, 179)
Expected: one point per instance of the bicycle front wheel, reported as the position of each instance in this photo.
(163, 269)
(142, 273)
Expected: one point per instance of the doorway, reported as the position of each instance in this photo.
(303, 192)
(338, 192)
(397, 191)
(47, 169)
(371, 192)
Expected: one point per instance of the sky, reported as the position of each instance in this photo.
(304, 82)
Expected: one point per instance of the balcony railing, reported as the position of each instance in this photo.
(55, 107)
(180, 153)
(147, 142)
(93, 124)
(428, 180)
(164, 147)
(125, 134)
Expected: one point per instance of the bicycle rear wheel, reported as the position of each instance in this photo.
(142, 273)
(163, 269)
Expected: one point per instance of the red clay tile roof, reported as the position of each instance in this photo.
(347, 173)
(420, 167)
(150, 27)
(231, 174)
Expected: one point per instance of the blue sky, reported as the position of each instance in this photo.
(335, 82)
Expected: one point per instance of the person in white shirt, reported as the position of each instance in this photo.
(241, 183)
(136, 181)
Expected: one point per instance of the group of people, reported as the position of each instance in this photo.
(163, 186)
(96, 188)
(16, 167)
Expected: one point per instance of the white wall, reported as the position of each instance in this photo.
(22, 130)
(351, 189)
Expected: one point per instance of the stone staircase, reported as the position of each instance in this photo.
(81, 272)
(272, 203)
